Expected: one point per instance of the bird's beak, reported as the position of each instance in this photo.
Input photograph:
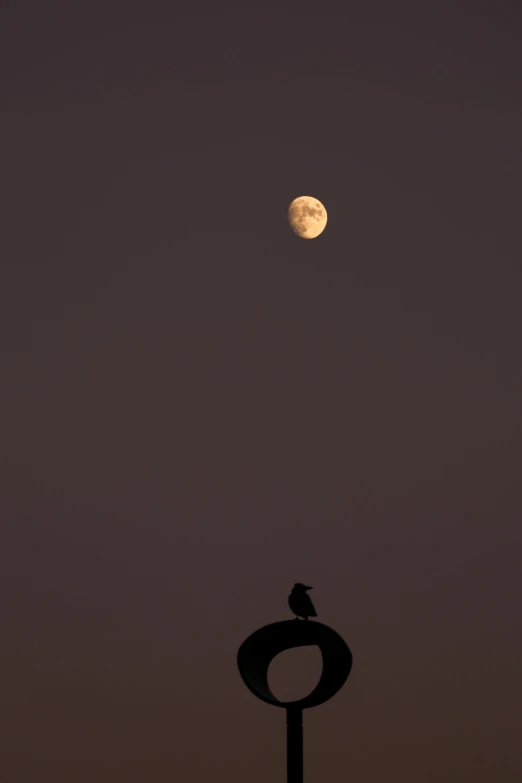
(308, 588)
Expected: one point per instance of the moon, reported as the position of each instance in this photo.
(307, 217)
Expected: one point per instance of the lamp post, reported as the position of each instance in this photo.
(255, 655)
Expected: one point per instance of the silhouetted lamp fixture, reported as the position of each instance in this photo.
(254, 658)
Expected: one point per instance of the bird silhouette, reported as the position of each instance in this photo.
(300, 603)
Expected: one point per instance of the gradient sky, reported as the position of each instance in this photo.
(199, 408)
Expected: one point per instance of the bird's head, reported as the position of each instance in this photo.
(298, 586)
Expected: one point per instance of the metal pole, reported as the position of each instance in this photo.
(294, 745)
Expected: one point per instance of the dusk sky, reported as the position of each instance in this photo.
(200, 408)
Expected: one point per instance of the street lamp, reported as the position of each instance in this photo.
(255, 655)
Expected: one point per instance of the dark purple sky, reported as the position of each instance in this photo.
(200, 408)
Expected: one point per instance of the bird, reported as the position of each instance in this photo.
(300, 603)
